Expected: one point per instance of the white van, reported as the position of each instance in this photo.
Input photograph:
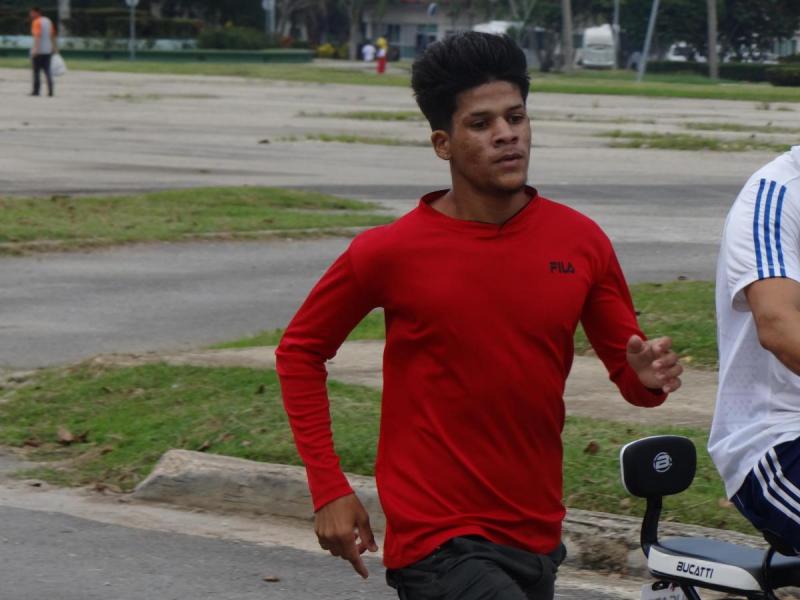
(597, 50)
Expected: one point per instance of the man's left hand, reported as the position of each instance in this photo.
(655, 363)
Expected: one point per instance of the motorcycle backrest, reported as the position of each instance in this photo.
(657, 466)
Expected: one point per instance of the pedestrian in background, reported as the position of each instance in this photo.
(42, 50)
(383, 50)
(368, 51)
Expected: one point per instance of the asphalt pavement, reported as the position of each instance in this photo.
(116, 132)
(80, 545)
(107, 132)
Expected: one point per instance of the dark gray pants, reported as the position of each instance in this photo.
(41, 62)
(472, 568)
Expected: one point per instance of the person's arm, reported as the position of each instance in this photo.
(36, 32)
(645, 371)
(762, 266)
(333, 308)
(775, 304)
(54, 38)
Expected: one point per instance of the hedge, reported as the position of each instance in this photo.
(235, 38)
(733, 71)
(786, 76)
(106, 22)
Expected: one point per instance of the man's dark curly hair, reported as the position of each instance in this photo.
(459, 63)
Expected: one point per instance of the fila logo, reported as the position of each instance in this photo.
(566, 268)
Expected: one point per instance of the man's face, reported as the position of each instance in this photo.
(489, 143)
(34, 15)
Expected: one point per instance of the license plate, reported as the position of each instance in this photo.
(662, 591)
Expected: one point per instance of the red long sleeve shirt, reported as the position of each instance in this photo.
(480, 321)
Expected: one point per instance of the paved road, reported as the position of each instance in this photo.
(52, 555)
(64, 307)
(122, 132)
(70, 544)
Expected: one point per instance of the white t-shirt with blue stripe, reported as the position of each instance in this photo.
(758, 400)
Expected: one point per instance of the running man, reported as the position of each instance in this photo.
(482, 286)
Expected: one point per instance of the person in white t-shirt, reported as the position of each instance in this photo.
(755, 434)
(368, 52)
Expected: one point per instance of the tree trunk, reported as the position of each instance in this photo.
(713, 56)
(566, 35)
(64, 15)
(355, 32)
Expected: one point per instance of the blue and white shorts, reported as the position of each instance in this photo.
(770, 495)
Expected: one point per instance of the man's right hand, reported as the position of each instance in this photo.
(343, 529)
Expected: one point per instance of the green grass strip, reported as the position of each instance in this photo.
(369, 115)
(349, 138)
(130, 416)
(683, 310)
(682, 141)
(618, 83)
(372, 327)
(742, 128)
(176, 215)
(280, 72)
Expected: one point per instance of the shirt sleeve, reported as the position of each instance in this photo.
(761, 238)
(333, 308)
(609, 321)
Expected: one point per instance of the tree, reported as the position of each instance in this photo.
(743, 25)
(713, 36)
(566, 35)
(63, 16)
(521, 11)
(750, 26)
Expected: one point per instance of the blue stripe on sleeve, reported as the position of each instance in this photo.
(778, 210)
(767, 244)
(756, 241)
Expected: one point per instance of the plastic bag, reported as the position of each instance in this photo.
(57, 66)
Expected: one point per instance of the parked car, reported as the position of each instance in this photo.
(683, 52)
(597, 49)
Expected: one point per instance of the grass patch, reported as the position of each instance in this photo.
(591, 475)
(130, 416)
(370, 115)
(176, 215)
(372, 327)
(683, 310)
(623, 83)
(135, 98)
(741, 128)
(140, 98)
(282, 72)
(349, 138)
(618, 83)
(682, 141)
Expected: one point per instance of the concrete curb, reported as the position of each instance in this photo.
(596, 541)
